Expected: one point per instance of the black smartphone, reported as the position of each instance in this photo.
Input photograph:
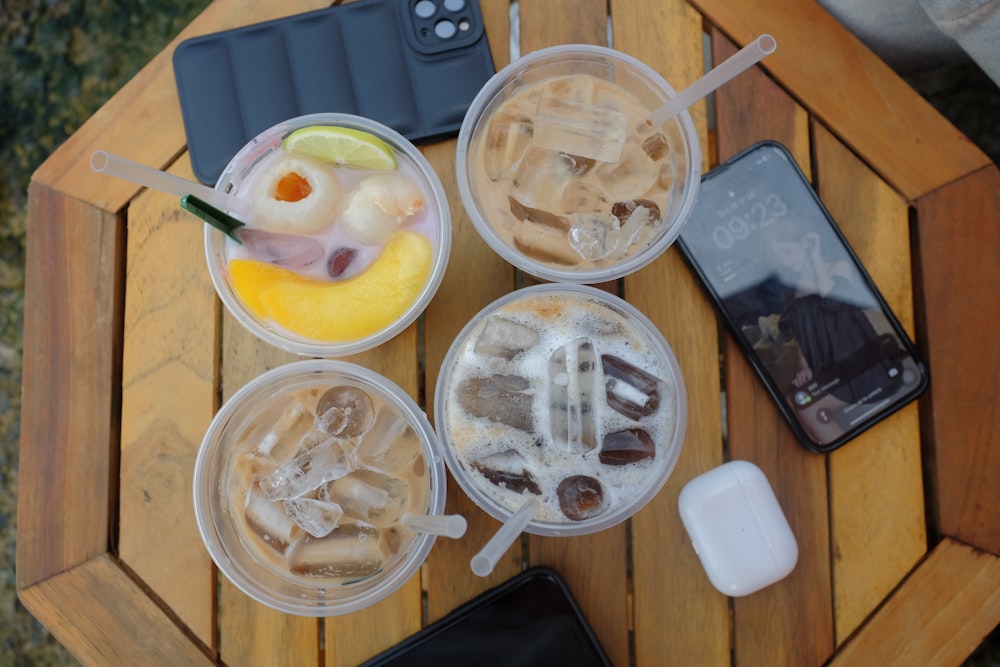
(529, 620)
(413, 65)
(811, 321)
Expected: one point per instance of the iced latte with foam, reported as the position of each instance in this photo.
(565, 394)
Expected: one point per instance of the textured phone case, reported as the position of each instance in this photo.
(381, 59)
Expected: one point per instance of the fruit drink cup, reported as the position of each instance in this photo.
(301, 483)
(561, 174)
(347, 238)
(566, 394)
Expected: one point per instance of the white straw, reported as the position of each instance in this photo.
(738, 63)
(484, 561)
(127, 170)
(449, 525)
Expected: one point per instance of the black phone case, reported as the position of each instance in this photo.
(551, 640)
(382, 59)
(747, 347)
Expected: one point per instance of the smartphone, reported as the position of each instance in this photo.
(811, 321)
(529, 620)
(413, 65)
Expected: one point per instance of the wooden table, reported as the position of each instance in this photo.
(128, 355)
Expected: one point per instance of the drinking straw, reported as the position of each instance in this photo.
(448, 525)
(127, 170)
(484, 561)
(736, 64)
(221, 220)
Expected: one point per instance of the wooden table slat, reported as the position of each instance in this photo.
(71, 367)
(800, 607)
(679, 616)
(959, 244)
(168, 400)
(876, 484)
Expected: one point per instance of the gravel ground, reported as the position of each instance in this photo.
(61, 62)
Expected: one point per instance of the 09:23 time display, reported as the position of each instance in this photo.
(758, 216)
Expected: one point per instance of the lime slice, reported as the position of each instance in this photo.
(341, 145)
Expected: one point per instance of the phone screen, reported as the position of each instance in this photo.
(532, 619)
(814, 326)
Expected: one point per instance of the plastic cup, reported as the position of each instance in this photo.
(562, 208)
(283, 566)
(512, 424)
(432, 222)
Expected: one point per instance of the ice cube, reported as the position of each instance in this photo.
(594, 236)
(627, 446)
(316, 517)
(580, 128)
(393, 541)
(370, 496)
(670, 177)
(545, 243)
(575, 88)
(536, 216)
(278, 428)
(656, 147)
(345, 412)
(580, 497)
(504, 339)
(631, 391)
(287, 250)
(269, 520)
(572, 377)
(507, 138)
(390, 444)
(623, 210)
(583, 197)
(499, 398)
(630, 176)
(306, 471)
(350, 550)
(541, 177)
(509, 470)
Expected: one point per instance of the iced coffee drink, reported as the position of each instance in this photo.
(565, 394)
(562, 173)
(310, 479)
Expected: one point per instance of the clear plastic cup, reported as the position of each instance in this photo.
(433, 221)
(561, 207)
(515, 422)
(393, 462)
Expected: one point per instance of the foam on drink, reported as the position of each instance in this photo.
(543, 414)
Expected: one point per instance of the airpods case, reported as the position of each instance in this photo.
(737, 528)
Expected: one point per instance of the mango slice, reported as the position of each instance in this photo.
(338, 311)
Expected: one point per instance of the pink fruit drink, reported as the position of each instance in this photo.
(561, 397)
(319, 481)
(338, 234)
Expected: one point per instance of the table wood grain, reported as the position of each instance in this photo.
(128, 354)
